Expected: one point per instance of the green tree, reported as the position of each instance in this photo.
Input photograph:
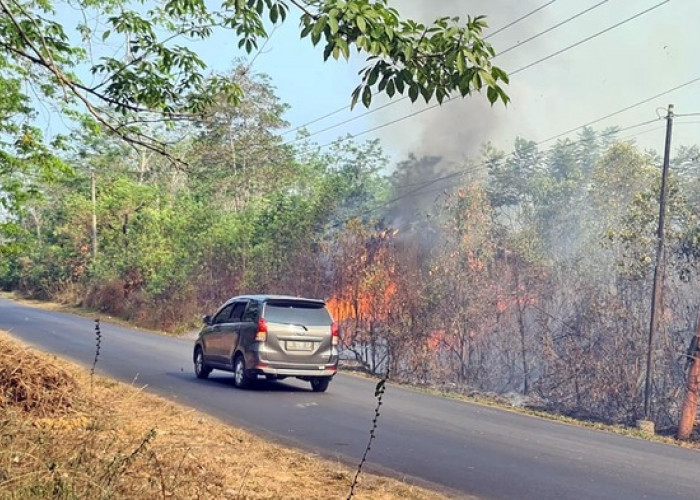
(510, 177)
(237, 154)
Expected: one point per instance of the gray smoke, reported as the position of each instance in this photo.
(459, 128)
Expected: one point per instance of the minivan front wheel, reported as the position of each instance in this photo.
(320, 384)
(200, 367)
(240, 377)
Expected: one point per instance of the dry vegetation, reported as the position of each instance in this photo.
(61, 439)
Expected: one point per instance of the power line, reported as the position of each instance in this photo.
(462, 172)
(480, 166)
(332, 113)
(343, 108)
(592, 122)
(345, 121)
(631, 106)
(552, 28)
(523, 68)
(572, 143)
(522, 18)
(589, 38)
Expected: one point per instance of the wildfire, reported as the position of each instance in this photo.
(363, 305)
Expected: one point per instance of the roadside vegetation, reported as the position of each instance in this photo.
(65, 436)
(526, 271)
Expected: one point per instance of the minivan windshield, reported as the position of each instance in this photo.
(298, 313)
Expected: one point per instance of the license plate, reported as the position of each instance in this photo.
(296, 345)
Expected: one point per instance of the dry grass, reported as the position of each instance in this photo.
(60, 440)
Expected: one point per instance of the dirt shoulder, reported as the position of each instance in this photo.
(65, 434)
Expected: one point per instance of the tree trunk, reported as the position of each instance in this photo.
(521, 326)
(690, 405)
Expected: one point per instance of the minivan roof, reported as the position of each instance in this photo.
(266, 297)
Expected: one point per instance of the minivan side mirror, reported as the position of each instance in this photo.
(206, 319)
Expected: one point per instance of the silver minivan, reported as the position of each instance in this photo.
(275, 336)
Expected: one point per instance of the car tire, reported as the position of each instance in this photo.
(241, 380)
(320, 384)
(200, 367)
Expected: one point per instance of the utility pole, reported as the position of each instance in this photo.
(657, 291)
(94, 213)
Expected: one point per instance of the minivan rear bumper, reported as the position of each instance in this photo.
(258, 365)
(327, 371)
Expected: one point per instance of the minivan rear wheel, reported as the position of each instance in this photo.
(320, 384)
(241, 380)
(200, 367)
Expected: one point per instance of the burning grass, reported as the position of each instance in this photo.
(60, 439)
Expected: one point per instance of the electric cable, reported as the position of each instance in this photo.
(343, 108)
(522, 68)
(461, 173)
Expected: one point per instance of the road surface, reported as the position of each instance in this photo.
(466, 448)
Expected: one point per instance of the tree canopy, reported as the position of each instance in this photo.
(155, 76)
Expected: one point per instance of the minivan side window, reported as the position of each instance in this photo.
(223, 315)
(251, 314)
(237, 312)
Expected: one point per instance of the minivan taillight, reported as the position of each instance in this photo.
(261, 336)
(335, 336)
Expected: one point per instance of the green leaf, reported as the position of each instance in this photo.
(361, 24)
(333, 23)
(487, 78)
(427, 92)
(413, 91)
(328, 50)
(320, 25)
(373, 75)
(400, 84)
(355, 97)
(306, 30)
(344, 48)
(366, 96)
(492, 95)
(390, 88)
(461, 63)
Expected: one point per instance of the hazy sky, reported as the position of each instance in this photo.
(633, 62)
(649, 55)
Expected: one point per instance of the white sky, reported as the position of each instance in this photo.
(644, 57)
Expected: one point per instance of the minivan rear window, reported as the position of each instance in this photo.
(300, 313)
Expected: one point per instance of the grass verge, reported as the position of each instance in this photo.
(61, 439)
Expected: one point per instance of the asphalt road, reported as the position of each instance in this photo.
(466, 448)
